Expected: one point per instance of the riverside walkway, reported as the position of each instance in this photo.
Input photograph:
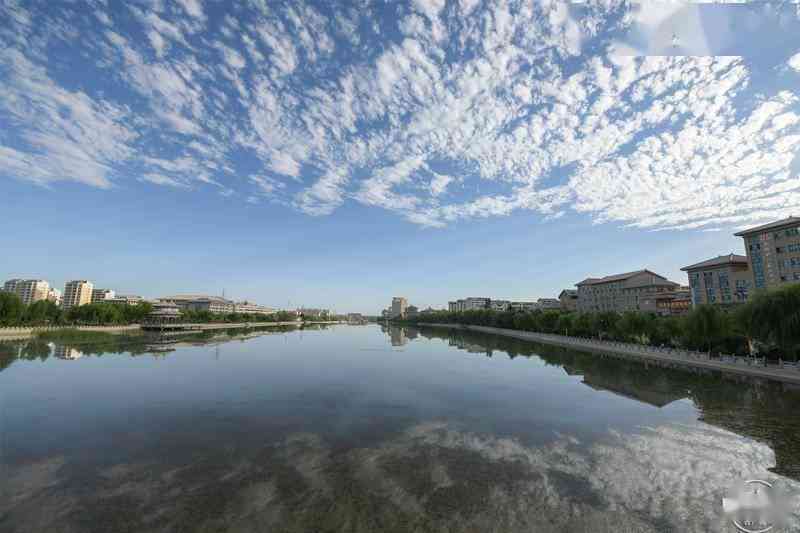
(742, 366)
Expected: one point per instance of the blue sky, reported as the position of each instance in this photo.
(339, 153)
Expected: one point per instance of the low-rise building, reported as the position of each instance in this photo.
(548, 304)
(28, 290)
(125, 300)
(568, 300)
(163, 312)
(773, 253)
(631, 291)
(54, 295)
(102, 295)
(412, 311)
(674, 303)
(201, 302)
(76, 293)
(249, 308)
(317, 314)
(723, 280)
(524, 306)
(500, 305)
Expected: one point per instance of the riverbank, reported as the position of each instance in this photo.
(663, 356)
(19, 333)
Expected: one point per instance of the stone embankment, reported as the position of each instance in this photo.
(731, 365)
(25, 332)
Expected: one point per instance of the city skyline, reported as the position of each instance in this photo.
(312, 154)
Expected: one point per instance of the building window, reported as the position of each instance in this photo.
(792, 232)
(779, 249)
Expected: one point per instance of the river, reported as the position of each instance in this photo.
(364, 428)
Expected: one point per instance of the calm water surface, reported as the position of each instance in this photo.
(358, 428)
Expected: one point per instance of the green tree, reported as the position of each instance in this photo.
(706, 325)
(776, 319)
(11, 309)
(42, 312)
(635, 326)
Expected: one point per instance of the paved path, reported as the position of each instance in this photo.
(730, 365)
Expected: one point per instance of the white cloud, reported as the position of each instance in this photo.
(193, 8)
(794, 62)
(488, 93)
(161, 179)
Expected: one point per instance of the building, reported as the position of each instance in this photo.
(548, 304)
(568, 300)
(674, 303)
(28, 290)
(773, 253)
(412, 311)
(102, 295)
(125, 300)
(249, 308)
(722, 280)
(54, 295)
(77, 293)
(500, 305)
(399, 305)
(524, 306)
(317, 314)
(201, 302)
(163, 312)
(631, 291)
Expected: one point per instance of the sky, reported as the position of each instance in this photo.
(338, 153)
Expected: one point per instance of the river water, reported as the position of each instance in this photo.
(363, 428)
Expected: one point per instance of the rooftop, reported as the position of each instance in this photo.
(617, 277)
(721, 260)
(194, 297)
(791, 221)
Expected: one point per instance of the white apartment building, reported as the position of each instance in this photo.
(28, 290)
(101, 295)
(249, 308)
(77, 293)
(54, 295)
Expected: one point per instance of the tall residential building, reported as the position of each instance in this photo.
(773, 252)
(100, 295)
(722, 280)
(399, 305)
(632, 291)
(76, 293)
(28, 290)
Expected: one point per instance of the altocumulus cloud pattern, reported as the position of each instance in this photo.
(654, 115)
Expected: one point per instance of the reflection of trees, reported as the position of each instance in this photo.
(133, 345)
(766, 412)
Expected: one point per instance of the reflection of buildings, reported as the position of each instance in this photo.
(766, 412)
(657, 394)
(67, 352)
(397, 336)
